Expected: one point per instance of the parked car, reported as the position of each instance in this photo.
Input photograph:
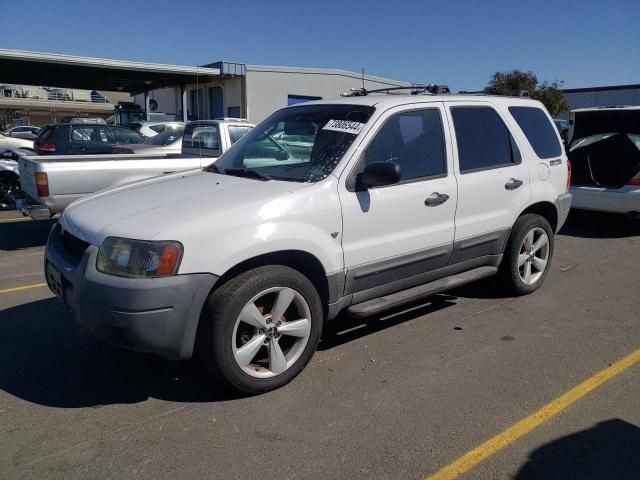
(83, 139)
(605, 159)
(8, 142)
(151, 129)
(9, 177)
(563, 128)
(53, 182)
(26, 131)
(395, 199)
(83, 119)
(168, 142)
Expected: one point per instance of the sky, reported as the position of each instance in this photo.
(459, 43)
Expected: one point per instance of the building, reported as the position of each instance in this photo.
(602, 96)
(255, 91)
(221, 89)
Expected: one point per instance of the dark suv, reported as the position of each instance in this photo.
(83, 139)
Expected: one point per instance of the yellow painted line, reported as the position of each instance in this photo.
(24, 287)
(472, 458)
(7, 220)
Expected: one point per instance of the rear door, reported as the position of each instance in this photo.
(91, 139)
(493, 180)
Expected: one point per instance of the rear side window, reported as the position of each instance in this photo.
(203, 137)
(538, 130)
(414, 140)
(484, 141)
(45, 133)
(158, 128)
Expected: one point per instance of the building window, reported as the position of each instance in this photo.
(233, 112)
(295, 99)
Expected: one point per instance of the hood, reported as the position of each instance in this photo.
(605, 120)
(143, 210)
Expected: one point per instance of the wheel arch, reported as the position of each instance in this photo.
(547, 210)
(304, 262)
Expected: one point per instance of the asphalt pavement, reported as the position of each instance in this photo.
(398, 397)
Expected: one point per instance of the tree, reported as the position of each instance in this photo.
(516, 80)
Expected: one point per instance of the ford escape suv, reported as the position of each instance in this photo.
(385, 199)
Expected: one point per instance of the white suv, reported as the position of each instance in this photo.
(387, 200)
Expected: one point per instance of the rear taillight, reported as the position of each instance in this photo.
(47, 147)
(635, 180)
(42, 184)
(568, 174)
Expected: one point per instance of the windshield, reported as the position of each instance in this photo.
(299, 144)
(166, 137)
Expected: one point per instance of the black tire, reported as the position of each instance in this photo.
(509, 272)
(221, 310)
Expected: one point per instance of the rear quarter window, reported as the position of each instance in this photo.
(539, 131)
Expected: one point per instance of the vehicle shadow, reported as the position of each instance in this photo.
(46, 358)
(599, 225)
(25, 234)
(345, 329)
(607, 450)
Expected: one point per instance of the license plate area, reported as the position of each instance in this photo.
(54, 280)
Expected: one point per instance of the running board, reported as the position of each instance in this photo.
(380, 304)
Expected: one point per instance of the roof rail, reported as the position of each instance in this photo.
(488, 91)
(416, 89)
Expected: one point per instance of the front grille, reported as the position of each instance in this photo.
(73, 245)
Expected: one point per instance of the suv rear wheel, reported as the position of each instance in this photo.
(260, 329)
(527, 258)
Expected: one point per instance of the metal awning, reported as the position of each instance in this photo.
(69, 71)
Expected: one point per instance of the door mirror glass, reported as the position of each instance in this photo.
(378, 174)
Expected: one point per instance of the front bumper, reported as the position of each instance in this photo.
(563, 204)
(154, 315)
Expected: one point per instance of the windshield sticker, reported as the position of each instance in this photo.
(344, 126)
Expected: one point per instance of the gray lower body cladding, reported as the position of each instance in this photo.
(154, 315)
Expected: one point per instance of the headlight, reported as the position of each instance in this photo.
(137, 258)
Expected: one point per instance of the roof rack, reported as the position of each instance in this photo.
(416, 89)
(488, 91)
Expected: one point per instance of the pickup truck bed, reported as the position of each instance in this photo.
(70, 177)
(52, 182)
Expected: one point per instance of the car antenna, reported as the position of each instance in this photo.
(363, 78)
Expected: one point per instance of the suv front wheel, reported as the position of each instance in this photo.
(260, 328)
(527, 258)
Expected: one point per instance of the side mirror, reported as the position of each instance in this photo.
(378, 174)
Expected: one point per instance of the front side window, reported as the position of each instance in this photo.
(170, 135)
(484, 141)
(538, 130)
(236, 132)
(414, 140)
(126, 136)
(91, 134)
(322, 133)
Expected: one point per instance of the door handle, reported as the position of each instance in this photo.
(167, 173)
(512, 184)
(436, 199)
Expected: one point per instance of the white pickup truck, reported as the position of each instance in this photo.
(52, 182)
(380, 201)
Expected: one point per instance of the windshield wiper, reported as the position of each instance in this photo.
(246, 172)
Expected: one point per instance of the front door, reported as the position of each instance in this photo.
(395, 232)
